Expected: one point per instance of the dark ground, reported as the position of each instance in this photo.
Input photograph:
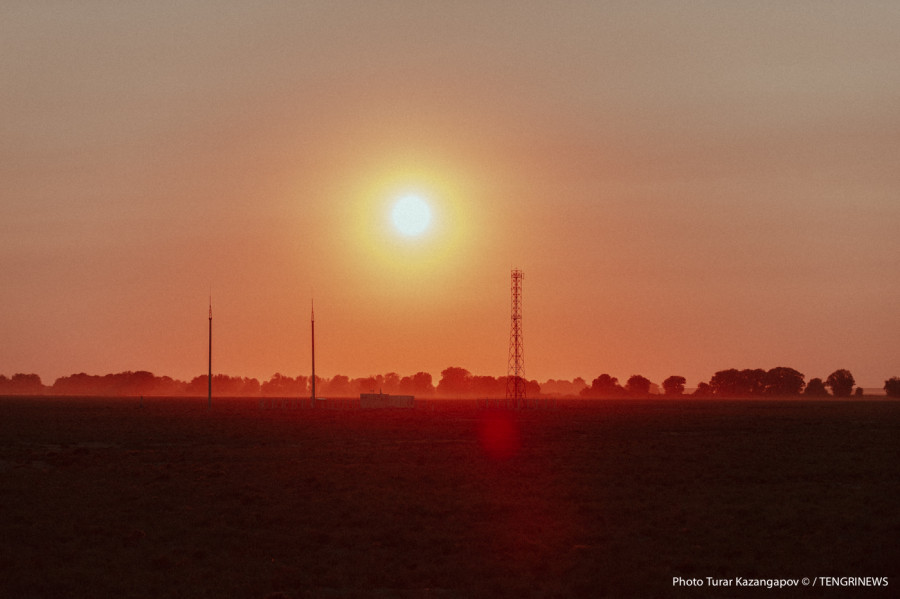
(104, 498)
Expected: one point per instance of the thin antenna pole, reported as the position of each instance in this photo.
(312, 325)
(209, 376)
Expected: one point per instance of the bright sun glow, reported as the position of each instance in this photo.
(411, 215)
(408, 223)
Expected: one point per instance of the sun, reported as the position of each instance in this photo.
(409, 224)
(411, 215)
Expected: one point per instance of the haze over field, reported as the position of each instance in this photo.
(688, 188)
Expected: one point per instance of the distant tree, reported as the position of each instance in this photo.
(892, 387)
(603, 386)
(166, 385)
(230, 386)
(406, 386)
(562, 387)
(859, 392)
(391, 382)
(488, 386)
(24, 384)
(738, 383)
(141, 382)
(278, 385)
(555, 387)
(703, 390)
(77, 384)
(674, 386)
(338, 386)
(321, 385)
(638, 386)
(418, 384)
(197, 385)
(726, 383)
(250, 387)
(235, 386)
(454, 382)
(367, 384)
(754, 380)
(815, 388)
(422, 384)
(783, 382)
(840, 382)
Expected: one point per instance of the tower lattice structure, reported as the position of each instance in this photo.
(515, 374)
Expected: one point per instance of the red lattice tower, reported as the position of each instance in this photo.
(515, 374)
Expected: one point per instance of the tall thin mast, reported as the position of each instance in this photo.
(209, 377)
(515, 378)
(312, 324)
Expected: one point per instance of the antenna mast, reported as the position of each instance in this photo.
(209, 376)
(312, 325)
(515, 381)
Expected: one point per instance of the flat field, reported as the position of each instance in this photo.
(105, 497)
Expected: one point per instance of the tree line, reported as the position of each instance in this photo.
(454, 382)
(732, 383)
(278, 385)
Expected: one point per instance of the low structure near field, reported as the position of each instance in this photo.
(383, 400)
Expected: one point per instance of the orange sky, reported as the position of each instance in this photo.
(687, 187)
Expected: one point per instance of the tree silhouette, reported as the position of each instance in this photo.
(125, 383)
(141, 382)
(391, 382)
(726, 383)
(703, 390)
(251, 386)
(638, 386)
(235, 386)
(454, 382)
(563, 387)
(892, 387)
(367, 384)
(418, 384)
(77, 384)
(782, 381)
(21, 384)
(488, 386)
(738, 383)
(816, 388)
(674, 385)
(422, 383)
(338, 386)
(754, 381)
(278, 385)
(840, 382)
(603, 386)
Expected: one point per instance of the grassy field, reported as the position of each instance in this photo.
(104, 498)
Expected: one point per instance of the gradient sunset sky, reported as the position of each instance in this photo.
(688, 187)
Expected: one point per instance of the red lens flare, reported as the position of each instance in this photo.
(498, 435)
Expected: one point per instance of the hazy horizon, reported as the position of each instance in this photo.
(447, 384)
(687, 187)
